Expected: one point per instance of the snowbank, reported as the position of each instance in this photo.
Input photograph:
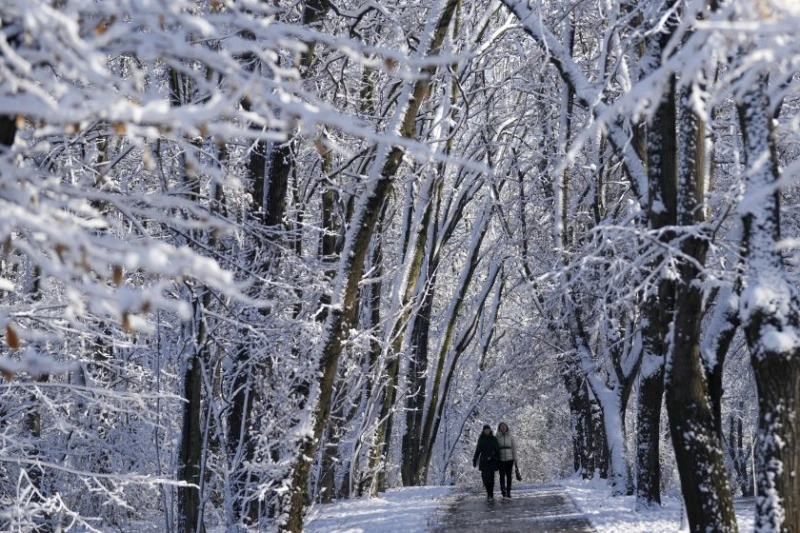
(616, 515)
(407, 510)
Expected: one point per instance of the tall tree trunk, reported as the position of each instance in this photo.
(8, 123)
(373, 319)
(418, 365)
(600, 451)
(580, 410)
(719, 336)
(417, 375)
(8, 131)
(698, 449)
(737, 453)
(657, 308)
(191, 440)
(612, 400)
(190, 454)
(770, 313)
(725, 321)
(648, 436)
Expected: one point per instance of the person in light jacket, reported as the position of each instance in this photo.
(508, 457)
(488, 452)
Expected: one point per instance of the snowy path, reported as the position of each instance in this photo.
(532, 509)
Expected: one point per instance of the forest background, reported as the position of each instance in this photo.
(257, 255)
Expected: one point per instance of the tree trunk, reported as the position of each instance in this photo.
(738, 455)
(648, 437)
(612, 402)
(580, 410)
(189, 520)
(270, 188)
(373, 318)
(698, 449)
(191, 439)
(417, 375)
(657, 308)
(418, 365)
(770, 313)
(8, 130)
(8, 124)
(722, 329)
(340, 320)
(598, 439)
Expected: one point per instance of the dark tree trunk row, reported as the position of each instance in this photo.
(413, 278)
(739, 456)
(341, 317)
(589, 454)
(270, 171)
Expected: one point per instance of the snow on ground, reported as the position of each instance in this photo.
(413, 509)
(616, 515)
(407, 510)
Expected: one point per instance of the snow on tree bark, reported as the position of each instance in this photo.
(698, 448)
(770, 313)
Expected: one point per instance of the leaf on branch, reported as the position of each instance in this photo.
(104, 24)
(319, 144)
(12, 338)
(117, 275)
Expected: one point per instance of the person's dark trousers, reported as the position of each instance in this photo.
(488, 481)
(506, 467)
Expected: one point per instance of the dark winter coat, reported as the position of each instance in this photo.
(488, 451)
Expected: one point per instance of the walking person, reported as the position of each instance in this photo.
(508, 458)
(486, 458)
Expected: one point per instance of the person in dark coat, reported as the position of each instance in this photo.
(487, 457)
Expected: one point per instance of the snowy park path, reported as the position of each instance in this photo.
(532, 509)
